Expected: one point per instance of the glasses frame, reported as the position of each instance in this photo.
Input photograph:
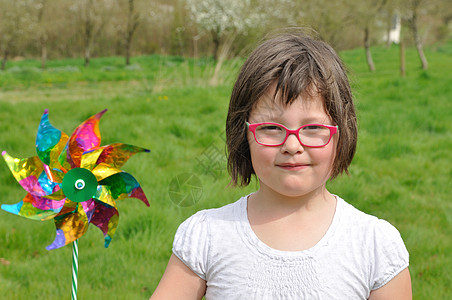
(252, 127)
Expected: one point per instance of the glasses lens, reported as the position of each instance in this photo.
(270, 134)
(315, 135)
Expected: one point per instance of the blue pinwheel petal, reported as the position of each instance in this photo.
(47, 137)
(13, 208)
(47, 185)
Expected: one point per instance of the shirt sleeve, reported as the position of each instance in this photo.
(191, 243)
(391, 255)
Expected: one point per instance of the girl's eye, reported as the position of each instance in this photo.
(313, 127)
(270, 128)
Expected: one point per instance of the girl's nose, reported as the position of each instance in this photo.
(292, 145)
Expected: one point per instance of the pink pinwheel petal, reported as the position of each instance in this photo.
(89, 207)
(35, 208)
(44, 203)
(84, 138)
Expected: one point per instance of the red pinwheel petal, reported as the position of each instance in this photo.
(69, 227)
(84, 138)
(116, 155)
(106, 218)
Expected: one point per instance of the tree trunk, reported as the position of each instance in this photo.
(43, 53)
(402, 59)
(87, 55)
(417, 40)
(388, 30)
(216, 45)
(89, 28)
(132, 24)
(42, 35)
(128, 52)
(370, 62)
(5, 58)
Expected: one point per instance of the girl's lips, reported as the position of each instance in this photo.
(293, 167)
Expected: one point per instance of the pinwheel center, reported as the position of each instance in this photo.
(79, 185)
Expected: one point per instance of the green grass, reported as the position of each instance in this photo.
(401, 172)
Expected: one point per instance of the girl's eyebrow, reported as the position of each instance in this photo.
(302, 121)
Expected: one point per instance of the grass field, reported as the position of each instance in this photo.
(402, 171)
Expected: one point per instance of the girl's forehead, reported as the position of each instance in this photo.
(271, 103)
(268, 108)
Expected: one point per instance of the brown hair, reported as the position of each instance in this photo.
(299, 64)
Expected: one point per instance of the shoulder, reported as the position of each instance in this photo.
(198, 225)
(206, 216)
(193, 238)
(384, 245)
(368, 224)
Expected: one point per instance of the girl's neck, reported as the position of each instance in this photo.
(269, 200)
(290, 223)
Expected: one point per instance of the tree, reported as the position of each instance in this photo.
(413, 9)
(41, 32)
(365, 14)
(328, 18)
(413, 21)
(128, 28)
(15, 24)
(92, 16)
(224, 18)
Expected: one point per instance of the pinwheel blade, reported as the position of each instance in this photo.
(47, 183)
(103, 195)
(106, 218)
(103, 171)
(35, 208)
(84, 138)
(26, 171)
(123, 185)
(116, 155)
(89, 207)
(89, 158)
(69, 227)
(49, 142)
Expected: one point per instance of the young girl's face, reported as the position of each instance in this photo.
(291, 169)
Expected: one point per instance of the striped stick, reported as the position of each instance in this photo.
(74, 269)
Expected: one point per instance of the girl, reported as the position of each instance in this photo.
(292, 124)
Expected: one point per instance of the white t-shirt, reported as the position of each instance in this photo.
(359, 253)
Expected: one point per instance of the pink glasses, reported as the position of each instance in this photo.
(309, 135)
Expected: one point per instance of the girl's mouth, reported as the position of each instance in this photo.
(293, 167)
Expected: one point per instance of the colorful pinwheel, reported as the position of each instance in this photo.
(74, 180)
